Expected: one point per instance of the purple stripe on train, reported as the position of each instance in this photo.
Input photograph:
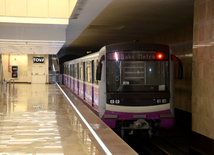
(165, 122)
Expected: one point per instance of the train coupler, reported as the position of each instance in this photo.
(140, 124)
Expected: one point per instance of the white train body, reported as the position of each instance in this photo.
(134, 82)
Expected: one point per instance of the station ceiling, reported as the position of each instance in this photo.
(93, 24)
(121, 21)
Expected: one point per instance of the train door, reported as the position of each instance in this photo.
(73, 76)
(92, 81)
(78, 78)
(70, 77)
(83, 80)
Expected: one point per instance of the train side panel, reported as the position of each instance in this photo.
(88, 93)
(102, 83)
(71, 84)
(96, 97)
(81, 89)
(86, 89)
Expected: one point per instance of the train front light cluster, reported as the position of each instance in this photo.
(160, 56)
(114, 101)
(161, 100)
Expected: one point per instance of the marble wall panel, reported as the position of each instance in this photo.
(203, 69)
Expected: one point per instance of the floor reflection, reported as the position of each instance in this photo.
(37, 119)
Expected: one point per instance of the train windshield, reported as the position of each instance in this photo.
(129, 76)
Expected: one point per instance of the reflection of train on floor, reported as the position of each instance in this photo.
(127, 85)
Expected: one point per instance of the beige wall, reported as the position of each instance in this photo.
(30, 62)
(20, 60)
(203, 69)
(24, 62)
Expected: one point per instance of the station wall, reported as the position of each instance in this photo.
(203, 69)
(24, 63)
(194, 43)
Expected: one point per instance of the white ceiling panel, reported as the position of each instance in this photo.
(30, 47)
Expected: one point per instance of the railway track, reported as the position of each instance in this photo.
(153, 146)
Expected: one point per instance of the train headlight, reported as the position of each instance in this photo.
(158, 100)
(112, 101)
(117, 101)
(163, 100)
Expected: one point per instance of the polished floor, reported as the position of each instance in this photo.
(37, 120)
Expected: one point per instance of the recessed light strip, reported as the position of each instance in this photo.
(29, 20)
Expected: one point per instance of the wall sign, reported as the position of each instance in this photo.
(38, 59)
(14, 73)
(137, 56)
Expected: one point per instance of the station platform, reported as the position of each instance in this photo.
(37, 119)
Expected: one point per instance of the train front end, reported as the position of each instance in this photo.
(138, 87)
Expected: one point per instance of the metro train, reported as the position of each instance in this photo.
(128, 85)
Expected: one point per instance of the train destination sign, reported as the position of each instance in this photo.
(137, 56)
(38, 59)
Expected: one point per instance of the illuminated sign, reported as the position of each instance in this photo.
(14, 73)
(137, 56)
(38, 60)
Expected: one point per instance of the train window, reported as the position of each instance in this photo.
(92, 71)
(137, 76)
(81, 73)
(68, 70)
(72, 66)
(88, 73)
(95, 69)
(75, 70)
(65, 69)
(71, 70)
